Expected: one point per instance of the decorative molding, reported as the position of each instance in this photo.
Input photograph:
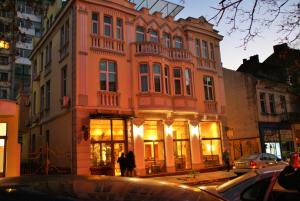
(138, 121)
(169, 121)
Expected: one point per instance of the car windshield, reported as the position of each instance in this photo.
(228, 185)
(249, 157)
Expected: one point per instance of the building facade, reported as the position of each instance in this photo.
(111, 78)
(16, 46)
(9, 148)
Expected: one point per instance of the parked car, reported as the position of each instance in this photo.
(255, 161)
(258, 185)
(104, 188)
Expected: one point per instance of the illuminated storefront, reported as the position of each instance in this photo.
(3, 135)
(211, 143)
(181, 144)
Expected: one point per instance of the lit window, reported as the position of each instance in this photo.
(177, 81)
(4, 44)
(208, 88)
(108, 76)
(144, 77)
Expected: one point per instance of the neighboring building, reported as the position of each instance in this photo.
(9, 147)
(108, 78)
(273, 83)
(15, 65)
(241, 113)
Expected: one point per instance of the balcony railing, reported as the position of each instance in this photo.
(210, 106)
(105, 43)
(153, 48)
(108, 99)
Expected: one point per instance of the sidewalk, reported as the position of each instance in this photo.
(197, 178)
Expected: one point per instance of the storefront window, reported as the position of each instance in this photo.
(107, 144)
(3, 134)
(154, 147)
(182, 149)
(211, 143)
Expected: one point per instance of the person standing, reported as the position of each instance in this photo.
(226, 160)
(122, 162)
(130, 163)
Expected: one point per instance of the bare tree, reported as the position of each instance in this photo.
(251, 17)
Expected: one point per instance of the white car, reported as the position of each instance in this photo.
(257, 185)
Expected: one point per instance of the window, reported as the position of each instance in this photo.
(4, 28)
(64, 81)
(95, 23)
(177, 81)
(3, 77)
(167, 40)
(34, 103)
(208, 88)
(272, 103)
(3, 60)
(42, 100)
(188, 81)
(262, 97)
(42, 61)
(67, 31)
(212, 52)
(108, 26)
(166, 78)
(119, 29)
(62, 36)
(283, 104)
(23, 52)
(198, 50)
(144, 76)
(47, 138)
(153, 36)
(205, 49)
(108, 76)
(48, 53)
(48, 92)
(157, 77)
(140, 34)
(33, 143)
(3, 93)
(178, 42)
(64, 39)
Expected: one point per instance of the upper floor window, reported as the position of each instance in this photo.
(48, 94)
(140, 34)
(108, 76)
(119, 29)
(23, 52)
(153, 36)
(198, 50)
(108, 26)
(144, 77)
(42, 98)
(205, 49)
(3, 94)
(3, 77)
(157, 78)
(34, 102)
(167, 40)
(208, 88)
(48, 53)
(178, 42)
(64, 81)
(212, 52)
(283, 104)
(42, 60)
(177, 81)
(167, 79)
(95, 23)
(262, 98)
(188, 82)
(3, 60)
(272, 104)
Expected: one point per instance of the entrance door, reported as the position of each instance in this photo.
(2, 156)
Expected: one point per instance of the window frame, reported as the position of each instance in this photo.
(166, 78)
(119, 29)
(64, 81)
(107, 74)
(189, 80)
(262, 101)
(153, 36)
(95, 23)
(137, 32)
(209, 91)
(205, 53)
(212, 51)
(147, 75)
(177, 79)
(272, 104)
(48, 95)
(178, 42)
(159, 76)
(108, 25)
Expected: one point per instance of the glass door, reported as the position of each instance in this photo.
(2, 156)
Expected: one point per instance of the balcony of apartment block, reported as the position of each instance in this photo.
(206, 64)
(24, 45)
(5, 84)
(159, 101)
(148, 48)
(102, 43)
(211, 107)
(108, 99)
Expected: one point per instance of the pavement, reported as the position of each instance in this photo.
(198, 178)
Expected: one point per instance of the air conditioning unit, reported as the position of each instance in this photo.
(65, 102)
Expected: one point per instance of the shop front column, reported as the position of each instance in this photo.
(196, 150)
(170, 163)
(138, 135)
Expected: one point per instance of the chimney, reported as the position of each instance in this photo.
(254, 59)
(280, 47)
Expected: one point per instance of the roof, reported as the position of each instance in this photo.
(165, 7)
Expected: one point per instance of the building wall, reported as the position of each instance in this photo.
(9, 114)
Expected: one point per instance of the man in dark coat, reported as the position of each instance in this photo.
(122, 162)
(130, 163)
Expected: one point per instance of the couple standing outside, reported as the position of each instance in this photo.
(127, 164)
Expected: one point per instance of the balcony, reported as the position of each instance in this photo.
(107, 44)
(158, 101)
(153, 48)
(210, 106)
(108, 99)
(4, 84)
(290, 116)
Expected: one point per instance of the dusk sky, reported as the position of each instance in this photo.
(232, 54)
